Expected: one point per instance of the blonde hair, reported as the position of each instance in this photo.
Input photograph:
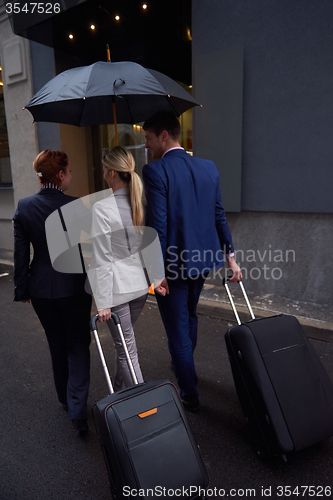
(121, 160)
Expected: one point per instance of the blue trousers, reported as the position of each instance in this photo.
(66, 324)
(179, 315)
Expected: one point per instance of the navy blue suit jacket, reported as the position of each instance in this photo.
(184, 206)
(38, 278)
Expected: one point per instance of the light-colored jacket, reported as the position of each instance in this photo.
(116, 273)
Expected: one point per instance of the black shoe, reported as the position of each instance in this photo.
(191, 405)
(80, 425)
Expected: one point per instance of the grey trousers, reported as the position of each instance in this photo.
(128, 314)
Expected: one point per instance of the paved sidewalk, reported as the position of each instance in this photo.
(214, 302)
(41, 457)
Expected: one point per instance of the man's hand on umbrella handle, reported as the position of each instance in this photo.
(236, 271)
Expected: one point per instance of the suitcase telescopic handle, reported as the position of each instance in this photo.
(94, 319)
(117, 322)
(231, 300)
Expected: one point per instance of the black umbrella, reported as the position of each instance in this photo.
(106, 92)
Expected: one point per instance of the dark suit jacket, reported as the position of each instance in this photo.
(38, 278)
(184, 206)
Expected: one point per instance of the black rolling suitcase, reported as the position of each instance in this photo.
(282, 386)
(148, 447)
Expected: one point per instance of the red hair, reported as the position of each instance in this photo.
(49, 163)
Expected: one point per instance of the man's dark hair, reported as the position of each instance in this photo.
(163, 121)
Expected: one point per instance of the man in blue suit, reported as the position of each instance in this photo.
(184, 206)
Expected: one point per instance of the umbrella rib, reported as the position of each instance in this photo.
(171, 105)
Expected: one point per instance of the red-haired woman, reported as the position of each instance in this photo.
(59, 299)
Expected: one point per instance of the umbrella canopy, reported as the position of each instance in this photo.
(86, 95)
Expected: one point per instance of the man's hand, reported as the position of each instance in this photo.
(236, 272)
(104, 315)
(162, 288)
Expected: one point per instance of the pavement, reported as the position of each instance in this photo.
(317, 318)
(41, 457)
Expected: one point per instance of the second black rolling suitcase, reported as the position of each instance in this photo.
(148, 446)
(283, 388)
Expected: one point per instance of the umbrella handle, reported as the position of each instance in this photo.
(108, 56)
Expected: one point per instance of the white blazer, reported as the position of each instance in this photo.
(116, 273)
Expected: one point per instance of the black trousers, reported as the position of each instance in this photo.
(66, 324)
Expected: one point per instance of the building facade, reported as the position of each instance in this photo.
(262, 71)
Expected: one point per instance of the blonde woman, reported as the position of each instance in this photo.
(116, 276)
